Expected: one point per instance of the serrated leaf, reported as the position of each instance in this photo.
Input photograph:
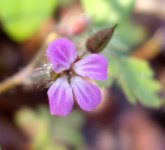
(21, 18)
(136, 79)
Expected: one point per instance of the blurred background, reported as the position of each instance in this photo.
(131, 115)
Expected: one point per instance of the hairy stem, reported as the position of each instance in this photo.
(23, 77)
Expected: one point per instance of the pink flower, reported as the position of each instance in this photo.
(73, 73)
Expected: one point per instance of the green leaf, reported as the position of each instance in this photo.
(136, 79)
(48, 131)
(109, 12)
(127, 36)
(22, 18)
(112, 11)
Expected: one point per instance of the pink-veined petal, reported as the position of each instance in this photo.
(60, 97)
(93, 66)
(87, 94)
(61, 53)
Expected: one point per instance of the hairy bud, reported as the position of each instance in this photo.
(99, 40)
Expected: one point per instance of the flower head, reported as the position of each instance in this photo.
(73, 74)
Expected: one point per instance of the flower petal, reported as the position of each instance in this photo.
(60, 97)
(93, 66)
(61, 53)
(87, 94)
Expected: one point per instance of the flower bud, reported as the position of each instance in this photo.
(99, 40)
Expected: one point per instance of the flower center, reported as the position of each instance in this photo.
(69, 74)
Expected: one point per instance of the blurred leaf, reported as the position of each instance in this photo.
(49, 132)
(127, 36)
(130, 33)
(22, 18)
(135, 77)
(109, 12)
(112, 11)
